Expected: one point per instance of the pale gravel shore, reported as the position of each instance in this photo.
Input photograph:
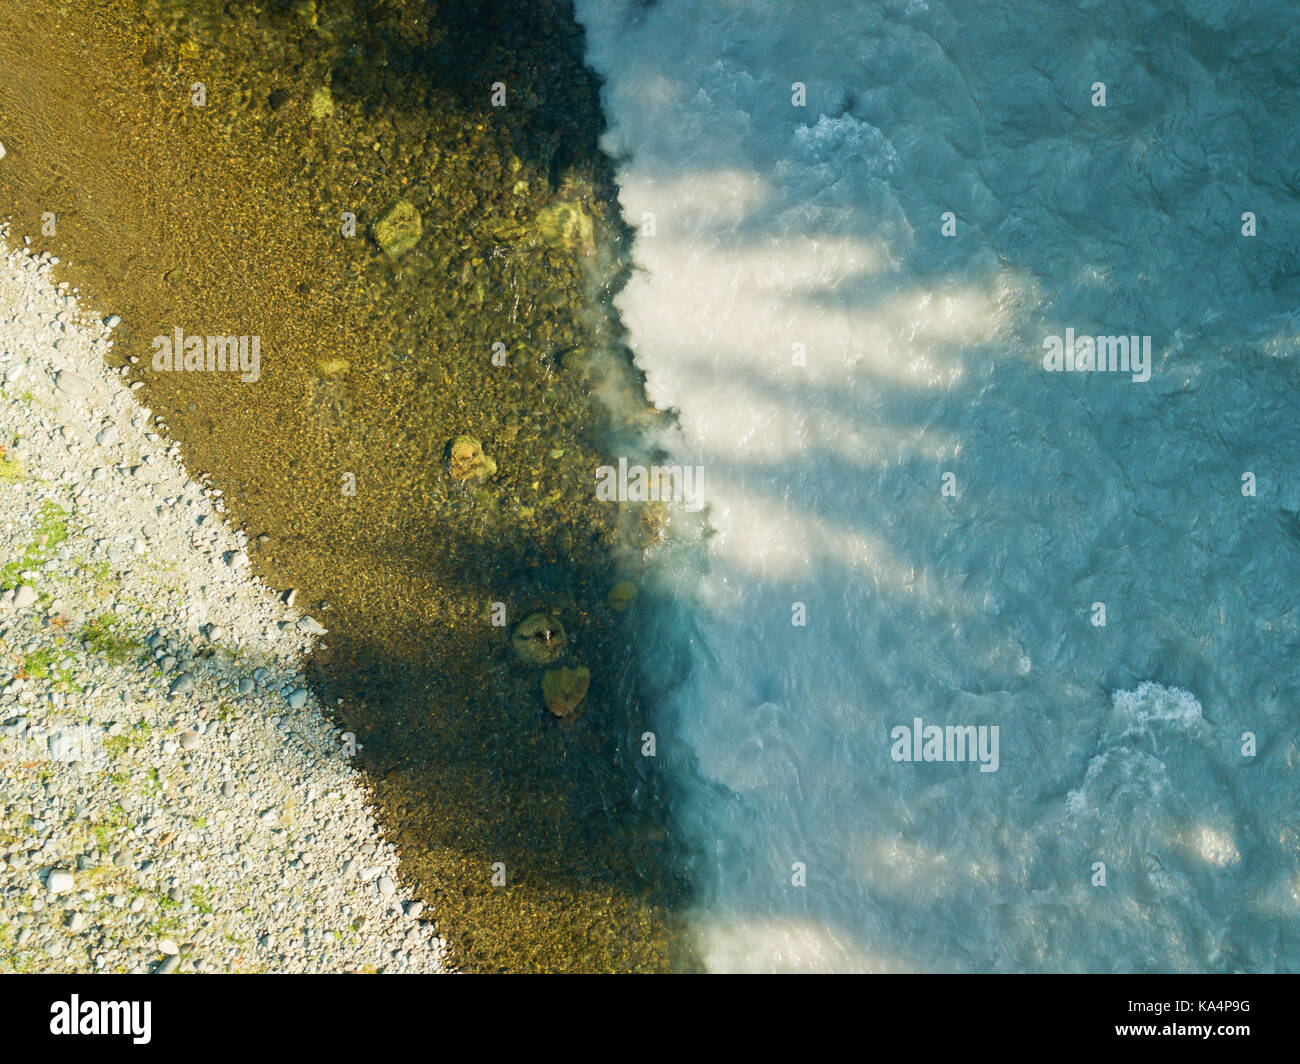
(163, 804)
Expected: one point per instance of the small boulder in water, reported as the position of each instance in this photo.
(564, 689)
(622, 594)
(567, 225)
(539, 639)
(331, 367)
(468, 462)
(398, 229)
(322, 103)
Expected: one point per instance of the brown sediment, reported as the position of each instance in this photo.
(227, 219)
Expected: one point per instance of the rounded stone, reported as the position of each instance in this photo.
(398, 229)
(564, 689)
(468, 462)
(539, 639)
(622, 594)
(70, 383)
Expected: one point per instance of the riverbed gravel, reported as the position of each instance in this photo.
(173, 796)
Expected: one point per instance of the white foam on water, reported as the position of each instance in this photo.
(779, 230)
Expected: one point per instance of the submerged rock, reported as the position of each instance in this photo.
(539, 639)
(322, 104)
(398, 228)
(468, 462)
(564, 689)
(652, 522)
(567, 225)
(622, 594)
(331, 367)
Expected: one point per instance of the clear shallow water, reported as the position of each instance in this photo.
(777, 226)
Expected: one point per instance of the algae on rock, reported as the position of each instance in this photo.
(567, 225)
(564, 689)
(398, 229)
(622, 594)
(539, 639)
(322, 105)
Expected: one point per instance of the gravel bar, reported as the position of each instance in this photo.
(174, 798)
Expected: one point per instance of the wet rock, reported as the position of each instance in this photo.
(564, 689)
(331, 367)
(539, 639)
(567, 225)
(398, 229)
(322, 103)
(468, 462)
(622, 594)
(310, 626)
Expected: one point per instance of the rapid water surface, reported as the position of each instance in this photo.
(833, 356)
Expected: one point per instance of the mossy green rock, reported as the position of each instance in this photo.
(322, 106)
(622, 594)
(398, 229)
(564, 690)
(539, 639)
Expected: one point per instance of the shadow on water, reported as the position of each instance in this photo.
(1071, 489)
(225, 219)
